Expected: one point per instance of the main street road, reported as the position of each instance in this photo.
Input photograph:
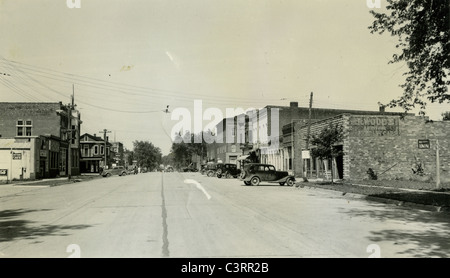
(190, 215)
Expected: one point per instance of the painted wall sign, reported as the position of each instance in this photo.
(3, 172)
(366, 126)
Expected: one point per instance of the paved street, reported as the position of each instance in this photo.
(190, 215)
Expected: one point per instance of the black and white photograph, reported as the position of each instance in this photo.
(248, 130)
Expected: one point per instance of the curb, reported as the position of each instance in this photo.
(398, 203)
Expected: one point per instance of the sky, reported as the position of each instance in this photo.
(125, 61)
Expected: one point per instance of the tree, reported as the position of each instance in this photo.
(146, 154)
(446, 116)
(324, 143)
(187, 146)
(423, 30)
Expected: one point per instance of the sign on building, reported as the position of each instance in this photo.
(423, 143)
(367, 126)
(306, 154)
(3, 172)
(17, 156)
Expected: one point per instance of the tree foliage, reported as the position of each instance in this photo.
(146, 154)
(446, 116)
(422, 28)
(184, 147)
(324, 143)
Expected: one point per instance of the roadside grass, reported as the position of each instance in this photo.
(423, 193)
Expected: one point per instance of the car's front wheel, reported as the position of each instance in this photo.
(247, 182)
(210, 174)
(255, 181)
(290, 182)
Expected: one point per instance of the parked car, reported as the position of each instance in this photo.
(210, 169)
(254, 173)
(227, 170)
(118, 170)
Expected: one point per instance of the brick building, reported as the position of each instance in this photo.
(48, 123)
(394, 147)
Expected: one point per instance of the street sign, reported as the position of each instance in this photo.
(17, 156)
(424, 143)
(3, 172)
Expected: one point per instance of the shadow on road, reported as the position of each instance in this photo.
(13, 228)
(429, 240)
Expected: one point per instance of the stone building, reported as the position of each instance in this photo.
(392, 146)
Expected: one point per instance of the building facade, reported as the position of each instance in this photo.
(93, 150)
(393, 147)
(50, 123)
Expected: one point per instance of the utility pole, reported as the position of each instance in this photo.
(438, 175)
(70, 134)
(104, 139)
(307, 137)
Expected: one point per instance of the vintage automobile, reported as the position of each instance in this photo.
(227, 170)
(254, 173)
(210, 169)
(190, 168)
(117, 170)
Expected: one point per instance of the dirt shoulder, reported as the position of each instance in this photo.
(57, 181)
(421, 193)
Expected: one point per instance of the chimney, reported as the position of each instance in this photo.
(382, 107)
(293, 104)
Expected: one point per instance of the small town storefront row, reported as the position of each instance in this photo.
(391, 146)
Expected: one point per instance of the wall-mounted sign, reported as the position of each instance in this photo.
(3, 172)
(424, 143)
(366, 126)
(17, 156)
(306, 154)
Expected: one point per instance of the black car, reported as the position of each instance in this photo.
(254, 173)
(227, 170)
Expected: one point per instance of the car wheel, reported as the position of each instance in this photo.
(242, 175)
(255, 181)
(281, 183)
(228, 175)
(210, 174)
(290, 182)
(219, 175)
(247, 182)
(108, 175)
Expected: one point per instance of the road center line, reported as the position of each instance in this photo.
(165, 247)
(199, 186)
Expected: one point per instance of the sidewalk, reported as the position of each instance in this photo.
(425, 199)
(17, 187)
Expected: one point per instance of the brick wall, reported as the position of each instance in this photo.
(389, 145)
(44, 118)
(395, 155)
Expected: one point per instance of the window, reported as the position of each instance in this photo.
(95, 149)
(102, 150)
(24, 127)
(86, 150)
